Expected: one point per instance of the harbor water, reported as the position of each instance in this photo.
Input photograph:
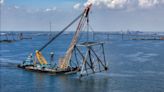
(134, 66)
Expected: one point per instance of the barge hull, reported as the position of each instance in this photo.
(49, 70)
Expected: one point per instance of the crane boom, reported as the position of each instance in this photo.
(57, 35)
(68, 55)
(64, 62)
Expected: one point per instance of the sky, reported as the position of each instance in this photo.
(105, 15)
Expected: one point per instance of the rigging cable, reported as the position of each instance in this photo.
(61, 32)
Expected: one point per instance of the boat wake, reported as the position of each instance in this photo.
(8, 63)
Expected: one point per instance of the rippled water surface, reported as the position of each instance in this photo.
(134, 66)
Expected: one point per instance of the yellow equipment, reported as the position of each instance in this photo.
(40, 57)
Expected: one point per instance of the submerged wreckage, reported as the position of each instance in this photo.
(86, 59)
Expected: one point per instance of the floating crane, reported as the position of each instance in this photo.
(65, 63)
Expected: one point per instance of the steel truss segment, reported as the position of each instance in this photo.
(90, 57)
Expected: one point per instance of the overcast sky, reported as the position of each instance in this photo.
(106, 15)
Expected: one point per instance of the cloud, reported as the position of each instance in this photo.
(149, 3)
(119, 4)
(109, 3)
(77, 6)
(16, 7)
(1, 1)
(50, 9)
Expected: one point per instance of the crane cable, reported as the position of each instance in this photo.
(39, 55)
(57, 35)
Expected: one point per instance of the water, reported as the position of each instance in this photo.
(134, 66)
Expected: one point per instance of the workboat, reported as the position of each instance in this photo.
(65, 66)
